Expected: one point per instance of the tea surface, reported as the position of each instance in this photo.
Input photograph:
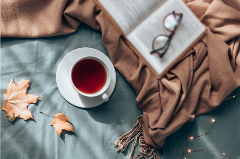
(89, 76)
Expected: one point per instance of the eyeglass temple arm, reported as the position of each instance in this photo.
(174, 14)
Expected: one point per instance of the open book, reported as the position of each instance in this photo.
(140, 21)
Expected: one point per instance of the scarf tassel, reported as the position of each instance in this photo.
(146, 151)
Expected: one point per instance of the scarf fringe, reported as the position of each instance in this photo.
(147, 151)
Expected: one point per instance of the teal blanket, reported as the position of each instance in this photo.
(95, 128)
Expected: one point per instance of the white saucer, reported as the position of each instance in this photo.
(64, 84)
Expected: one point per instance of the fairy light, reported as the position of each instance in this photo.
(213, 120)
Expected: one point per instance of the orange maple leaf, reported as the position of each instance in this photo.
(17, 100)
(60, 122)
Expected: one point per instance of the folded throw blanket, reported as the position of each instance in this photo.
(206, 75)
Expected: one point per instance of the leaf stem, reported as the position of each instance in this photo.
(46, 113)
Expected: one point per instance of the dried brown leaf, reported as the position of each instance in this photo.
(17, 100)
(60, 122)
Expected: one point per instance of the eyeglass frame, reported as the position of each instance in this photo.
(168, 36)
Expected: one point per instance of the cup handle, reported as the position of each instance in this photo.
(105, 97)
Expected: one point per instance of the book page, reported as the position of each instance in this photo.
(188, 31)
(127, 14)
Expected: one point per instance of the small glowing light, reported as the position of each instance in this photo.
(185, 158)
(213, 120)
(191, 138)
(223, 153)
(189, 150)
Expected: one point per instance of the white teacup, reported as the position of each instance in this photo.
(102, 91)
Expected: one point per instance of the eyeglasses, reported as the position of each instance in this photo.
(161, 43)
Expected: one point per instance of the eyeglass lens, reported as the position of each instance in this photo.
(171, 22)
(161, 43)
